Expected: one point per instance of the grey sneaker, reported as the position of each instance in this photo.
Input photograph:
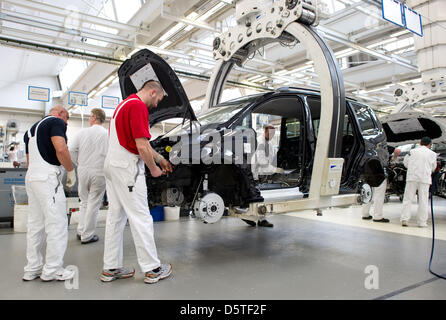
(114, 274)
(162, 273)
(61, 275)
(29, 276)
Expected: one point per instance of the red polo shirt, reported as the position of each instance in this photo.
(132, 122)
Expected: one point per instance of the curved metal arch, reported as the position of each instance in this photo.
(329, 140)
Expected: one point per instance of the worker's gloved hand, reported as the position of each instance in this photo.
(280, 170)
(71, 178)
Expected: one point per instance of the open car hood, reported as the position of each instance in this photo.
(409, 127)
(145, 65)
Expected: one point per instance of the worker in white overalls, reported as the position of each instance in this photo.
(421, 162)
(47, 153)
(88, 150)
(129, 149)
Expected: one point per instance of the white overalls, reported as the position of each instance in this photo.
(127, 194)
(89, 147)
(47, 212)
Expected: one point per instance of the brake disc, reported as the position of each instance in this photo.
(210, 208)
(365, 193)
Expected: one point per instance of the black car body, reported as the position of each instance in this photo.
(404, 130)
(295, 114)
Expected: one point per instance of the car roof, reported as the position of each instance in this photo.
(305, 91)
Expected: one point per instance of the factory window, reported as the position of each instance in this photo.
(126, 9)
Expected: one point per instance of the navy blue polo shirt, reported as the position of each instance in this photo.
(49, 128)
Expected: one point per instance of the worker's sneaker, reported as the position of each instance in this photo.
(265, 223)
(93, 239)
(61, 275)
(367, 218)
(29, 276)
(422, 225)
(404, 223)
(382, 220)
(159, 273)
(114, 274)
(250, 222)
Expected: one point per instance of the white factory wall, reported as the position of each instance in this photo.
(25, 121)
(15, 94)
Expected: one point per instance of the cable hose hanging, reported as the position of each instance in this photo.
(433, 227)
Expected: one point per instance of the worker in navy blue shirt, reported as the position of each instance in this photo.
(47, 153)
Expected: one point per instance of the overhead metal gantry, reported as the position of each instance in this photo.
(289, 21)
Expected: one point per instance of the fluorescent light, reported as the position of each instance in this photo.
(281, 72)
(399, 33)
(189, 28)
(165, 44)
(171, 31)
(115, 80)
(192, 15)
(93, 93)
(254, 78)
(211, 12)
(110, 79)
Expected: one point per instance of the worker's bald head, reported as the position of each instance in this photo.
(151, 93)
(153, 85)
(59, 112)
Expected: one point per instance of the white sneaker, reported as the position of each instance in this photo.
(422, 225)
(61, 275)
(29, 276)
(404, 223)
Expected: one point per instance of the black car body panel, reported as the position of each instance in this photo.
(405, 130)
(295, 112)
(365, 159)
(175, 103)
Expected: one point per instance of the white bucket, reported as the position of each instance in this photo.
(171, 213)
(20, 217)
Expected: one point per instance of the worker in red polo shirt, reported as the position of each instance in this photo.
(129, 149)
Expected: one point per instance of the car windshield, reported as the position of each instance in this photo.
(218, 114)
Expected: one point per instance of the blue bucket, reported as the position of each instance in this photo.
(157, 213)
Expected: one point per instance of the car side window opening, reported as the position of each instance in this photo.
(365, 119)
(285, 147)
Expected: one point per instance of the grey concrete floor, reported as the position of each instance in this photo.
(297, 259)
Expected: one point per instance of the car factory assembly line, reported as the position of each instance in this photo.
(322, 179)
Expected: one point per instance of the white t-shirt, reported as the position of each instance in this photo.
(420, 164)
(12, 156)
(89, 148)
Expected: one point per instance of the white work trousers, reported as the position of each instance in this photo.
(91, 193)
(423, 201)
(46, 216)
(378, 195)
(133, 205)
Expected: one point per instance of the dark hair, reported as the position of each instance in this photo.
(425, 141)
(12, 148)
